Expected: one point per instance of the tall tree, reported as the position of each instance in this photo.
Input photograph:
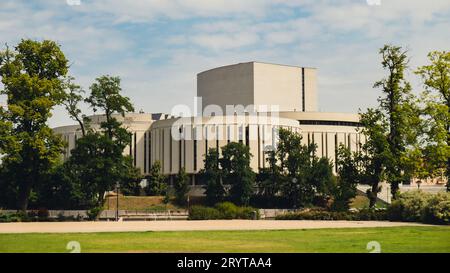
(436, 79)
(105, 96)
(348, 178)
(297, 163)
(212, 175)
(97, 161)
(181, 187)
(32, 77)
(156, 180)
(375, 152)
(235, 163)
(401, 114)
(269, 179)
(71, 101)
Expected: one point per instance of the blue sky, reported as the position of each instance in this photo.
(157, 47)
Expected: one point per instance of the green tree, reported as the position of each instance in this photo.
(402, 115)
(436, 97)
(269, 179)
(32, 77)
(375, 152)
(235, 163)
(181, 187)
(71, 101)
(348, 178)
(211, 174)
(105, 95)
(97, 162)
(304, 175)
(156, 180)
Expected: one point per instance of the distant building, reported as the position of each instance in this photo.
(183, 141)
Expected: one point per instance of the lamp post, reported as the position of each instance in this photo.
(117, 201)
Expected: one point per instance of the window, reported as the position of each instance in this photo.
(335, 152)
(303, 89)
(247, 135)
(329, 122)
(134, 147)
(145, 152)
(195, 155)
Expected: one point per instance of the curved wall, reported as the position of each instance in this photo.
(182, 142)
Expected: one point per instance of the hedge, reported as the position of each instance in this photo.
(225, 210)
(419, 206)
(362, 215)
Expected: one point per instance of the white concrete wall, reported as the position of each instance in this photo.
(259, 84)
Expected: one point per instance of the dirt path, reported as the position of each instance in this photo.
(73, 227)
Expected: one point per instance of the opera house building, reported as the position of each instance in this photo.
(245, 102)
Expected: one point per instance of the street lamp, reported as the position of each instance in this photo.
(117, 201)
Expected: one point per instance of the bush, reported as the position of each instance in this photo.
(438, 209)
(225, 210)
(418, 206)
(363, 215)
(395, 211)
(14, 217)
(409, 206)
(94, 213)
(203, 213)
(228, 210)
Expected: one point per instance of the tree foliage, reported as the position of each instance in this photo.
(97, 162)
(401, 114)
(235, 163)
(302, 174)
(212, 175)
(349, 176)
(32, 76)
(375, 152)
(436, 113)
(156, 180)
(181, 187)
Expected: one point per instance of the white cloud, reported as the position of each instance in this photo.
(158, 46)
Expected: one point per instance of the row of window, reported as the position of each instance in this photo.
(329, 122)
(261, 146)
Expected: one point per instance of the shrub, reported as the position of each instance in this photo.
(225, 210)
(395, 210)
(419, 206)
(94, 213)
(438, 209)
(363, 215)
(203, 213)
(14, 217)
(409, 206)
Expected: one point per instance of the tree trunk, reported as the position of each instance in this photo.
(394, 189)
(372, 195)
(24, 195)
(81, 123)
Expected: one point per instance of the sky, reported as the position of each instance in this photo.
(158, 46)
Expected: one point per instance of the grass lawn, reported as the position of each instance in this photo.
(141, 203)
(396, 239)
(361, 201)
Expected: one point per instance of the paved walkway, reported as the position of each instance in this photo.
(74, 227)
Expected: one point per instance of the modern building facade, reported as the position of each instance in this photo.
(181, 142)
(261, 85)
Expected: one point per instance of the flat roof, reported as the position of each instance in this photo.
(259, 62)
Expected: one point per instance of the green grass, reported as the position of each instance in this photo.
(361, 201)
(396, 239)
(140, 203)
